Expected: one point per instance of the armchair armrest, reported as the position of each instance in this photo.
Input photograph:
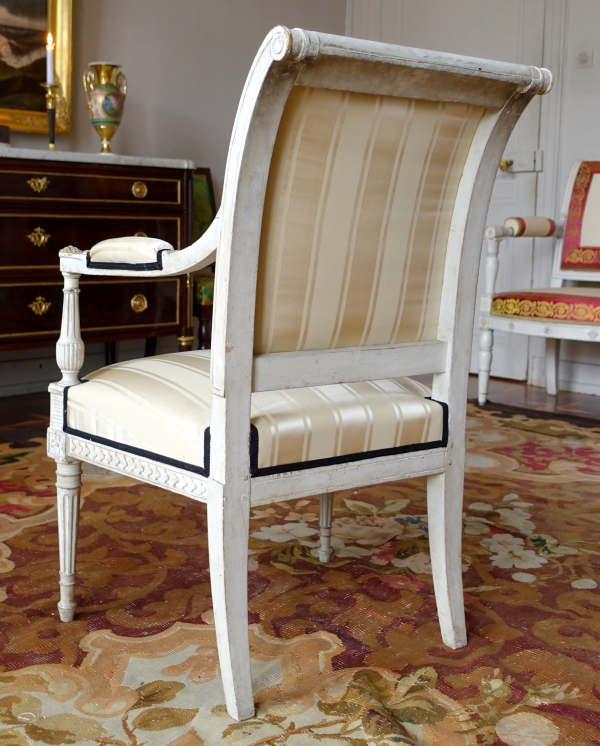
(141, 256)
(533, 226)
(513, 227)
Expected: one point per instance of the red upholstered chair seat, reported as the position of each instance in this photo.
(572, 305)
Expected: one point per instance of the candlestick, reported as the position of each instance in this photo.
(51, 101)
(50, 60)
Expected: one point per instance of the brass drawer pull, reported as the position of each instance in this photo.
(141, 233)
(139, 189)
(39, 184)
(139, 303)
(40, 305)
(39, 237)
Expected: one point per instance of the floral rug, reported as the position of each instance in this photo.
(343, 654)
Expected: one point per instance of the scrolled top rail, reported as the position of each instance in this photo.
(298, 45)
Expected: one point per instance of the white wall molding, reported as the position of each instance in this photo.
(549, 189)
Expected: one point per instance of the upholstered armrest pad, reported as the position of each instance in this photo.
(129, 252)
(531, 226)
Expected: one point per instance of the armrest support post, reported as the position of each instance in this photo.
(493, 234)
(70, 350)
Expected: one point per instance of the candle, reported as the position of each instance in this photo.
(50, 60)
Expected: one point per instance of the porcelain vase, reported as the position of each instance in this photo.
(106, 89)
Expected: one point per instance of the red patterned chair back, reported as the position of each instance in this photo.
(581, 243)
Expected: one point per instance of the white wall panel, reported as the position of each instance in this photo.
(512, 30)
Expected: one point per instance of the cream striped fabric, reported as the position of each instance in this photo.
(162, 405)
(357, 216)
(128, 250)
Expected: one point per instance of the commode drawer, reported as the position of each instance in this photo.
(34, 310)
(80, 187)
(33, 241)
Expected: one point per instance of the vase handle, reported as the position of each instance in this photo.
(89, 79)
(121, 82)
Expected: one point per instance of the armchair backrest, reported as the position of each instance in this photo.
(356, 190)
(358, 208)
(578, 256)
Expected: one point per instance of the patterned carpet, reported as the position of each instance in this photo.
(346, 654)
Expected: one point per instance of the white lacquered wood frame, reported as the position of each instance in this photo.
(319, 60)
(552, 331)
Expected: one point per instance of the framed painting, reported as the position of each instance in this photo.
(24, 25)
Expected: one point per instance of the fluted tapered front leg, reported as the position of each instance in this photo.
(70, 350)
(68, 486)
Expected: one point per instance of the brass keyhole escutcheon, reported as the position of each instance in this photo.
(39, 184)
(139, 189)
(40, 305)
(39, 237)
(139, 303)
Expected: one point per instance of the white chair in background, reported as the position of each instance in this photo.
(347, 249)
(570, 307)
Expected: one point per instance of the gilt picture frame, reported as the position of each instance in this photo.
(24, 25)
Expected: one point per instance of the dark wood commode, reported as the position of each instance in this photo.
(64, 199)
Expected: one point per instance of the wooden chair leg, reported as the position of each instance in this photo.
(68, 487)
(444, 509)
(228, 521)
(552, 360)
(486, 341)
(325, 550)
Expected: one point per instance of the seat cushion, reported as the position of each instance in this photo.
(570, 305)
(160, 407)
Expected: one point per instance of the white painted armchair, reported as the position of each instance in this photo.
(347, 245)
(570, 307)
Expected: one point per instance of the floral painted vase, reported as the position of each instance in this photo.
(106, 89)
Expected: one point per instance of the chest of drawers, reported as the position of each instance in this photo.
(51, 200)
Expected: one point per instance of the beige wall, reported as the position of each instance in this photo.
(186, 62)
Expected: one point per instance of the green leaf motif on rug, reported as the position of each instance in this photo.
(65, 728)
(157, 692)
(163, 718)
(546, 544)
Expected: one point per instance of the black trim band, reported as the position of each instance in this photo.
(203, 471)
(348, 458)
(254, 470)
(124, 265)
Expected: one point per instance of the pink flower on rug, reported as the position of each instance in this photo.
(281, 532)
(306, 517)
(369, 530)
(383, 555)
(475, 526)
(508, 551)
(524, 559)
(418, 563)
(527, 729)
(503, 542)
(517, 518)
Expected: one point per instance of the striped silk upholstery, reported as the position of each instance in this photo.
(161, 405)
(357, 215)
